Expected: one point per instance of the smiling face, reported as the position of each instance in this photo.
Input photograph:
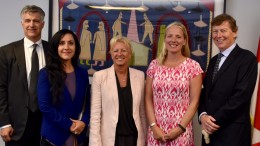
(174, 39)
(32, 24)
(223, 36)
(66, 48)
(120, 54)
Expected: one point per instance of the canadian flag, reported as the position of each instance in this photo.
(255, 106)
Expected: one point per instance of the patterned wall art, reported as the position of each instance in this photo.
(95, 22)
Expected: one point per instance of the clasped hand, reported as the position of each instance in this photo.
(208, 124)
(163, 137)
(77, 126)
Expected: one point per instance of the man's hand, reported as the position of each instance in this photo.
(6, 133)
(208, 124)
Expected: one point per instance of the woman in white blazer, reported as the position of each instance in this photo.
(117, 103)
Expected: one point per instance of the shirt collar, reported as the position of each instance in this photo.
(29, 43)
(228, 50)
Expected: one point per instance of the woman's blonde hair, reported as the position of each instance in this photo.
(125, 41)
(185, 49)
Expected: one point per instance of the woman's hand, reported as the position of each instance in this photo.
(77, 126)
(158, 133)
(173, 134)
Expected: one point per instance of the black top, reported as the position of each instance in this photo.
(125, 125)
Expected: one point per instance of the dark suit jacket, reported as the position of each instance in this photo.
(14, 87)
(228, 98)
(56, 121)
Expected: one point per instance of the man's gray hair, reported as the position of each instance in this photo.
(33, 9)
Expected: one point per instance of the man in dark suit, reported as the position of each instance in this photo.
(227, 89)
(20, 118)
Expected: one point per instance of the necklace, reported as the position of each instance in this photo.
(122, 77)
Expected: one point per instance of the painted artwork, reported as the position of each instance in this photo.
(143, 22)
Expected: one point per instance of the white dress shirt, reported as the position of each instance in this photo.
(28, 49)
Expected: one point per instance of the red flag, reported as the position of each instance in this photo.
(255, 106)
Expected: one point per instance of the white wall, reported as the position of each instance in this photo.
(248, 20)
(11, 28)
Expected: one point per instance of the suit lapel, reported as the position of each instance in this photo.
(208, 79)
(113, 89)
(20, 58)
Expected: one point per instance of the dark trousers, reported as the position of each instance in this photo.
(126, 140)
(31, 136)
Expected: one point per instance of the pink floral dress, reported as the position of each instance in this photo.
(171, 98)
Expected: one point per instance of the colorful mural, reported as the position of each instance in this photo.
(142, 21)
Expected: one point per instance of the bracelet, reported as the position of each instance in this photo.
(152, 124)
(182, 128)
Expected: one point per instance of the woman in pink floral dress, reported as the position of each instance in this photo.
(173, 88)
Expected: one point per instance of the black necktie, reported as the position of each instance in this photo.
(220, 55)
(33, 102)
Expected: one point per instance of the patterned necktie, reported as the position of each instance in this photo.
(220, 55)
(33, 103)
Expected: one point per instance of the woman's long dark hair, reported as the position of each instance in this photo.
(55, 67)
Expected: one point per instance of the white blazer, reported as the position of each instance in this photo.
(105, 108)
